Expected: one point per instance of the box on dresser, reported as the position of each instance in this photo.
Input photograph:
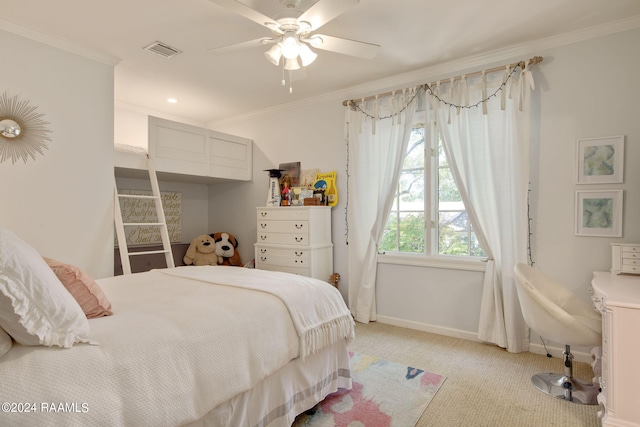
(625, 258)
(295, 240)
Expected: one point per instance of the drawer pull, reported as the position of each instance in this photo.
(263, 237)
(263, 225)
(299, 261)
(263, 258)
(299, 226)
(299, 253)
(299, 239)
(263, 214)
(264, 251)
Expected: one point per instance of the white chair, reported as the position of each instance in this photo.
(557, 314)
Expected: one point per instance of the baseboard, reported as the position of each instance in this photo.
(578, 356)
(448, 332)
(555, 351)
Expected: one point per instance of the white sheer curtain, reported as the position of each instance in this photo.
(376, 153)
(488, 150)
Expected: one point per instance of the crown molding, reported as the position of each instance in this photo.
(59, 43)
(430, 73)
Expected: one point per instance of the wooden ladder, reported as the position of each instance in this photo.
(162, 222)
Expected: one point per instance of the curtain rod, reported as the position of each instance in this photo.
(522, 64)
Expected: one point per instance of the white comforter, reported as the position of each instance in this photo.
(170, 353)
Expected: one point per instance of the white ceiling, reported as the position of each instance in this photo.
(413, 34)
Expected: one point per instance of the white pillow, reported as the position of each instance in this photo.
(5, 342)
(35, 307)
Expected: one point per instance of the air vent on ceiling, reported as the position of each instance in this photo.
(163, 49)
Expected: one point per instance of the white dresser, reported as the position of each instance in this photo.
(617, 296)
(295, 240)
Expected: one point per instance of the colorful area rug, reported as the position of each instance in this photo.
(384, 394)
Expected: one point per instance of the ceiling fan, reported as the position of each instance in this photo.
(292, 33)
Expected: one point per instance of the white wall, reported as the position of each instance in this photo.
(586, 89)
(62, 203)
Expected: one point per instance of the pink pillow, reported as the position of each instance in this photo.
(83, 288)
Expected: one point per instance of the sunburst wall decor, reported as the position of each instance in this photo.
(23, 133)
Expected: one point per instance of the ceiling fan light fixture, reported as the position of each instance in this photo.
(307, 56)
(291, 64)
(274, 54)
(290, 47)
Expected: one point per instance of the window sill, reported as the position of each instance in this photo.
(451, 263)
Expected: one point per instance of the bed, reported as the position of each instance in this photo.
(188, 346)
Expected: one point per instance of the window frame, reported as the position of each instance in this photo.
(430, 257)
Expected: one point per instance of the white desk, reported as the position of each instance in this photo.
(618, 298)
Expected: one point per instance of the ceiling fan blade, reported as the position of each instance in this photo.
(244, 10)
(344, 46)
(222, 50)
(324, 11)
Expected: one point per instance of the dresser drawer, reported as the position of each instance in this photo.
(299, 239)
(283, 257)
(630, 269)
(283, 214)
(630, 249)
(630, 261)
(299, 226)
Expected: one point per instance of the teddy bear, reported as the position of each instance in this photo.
(201, 251)
(225, 250)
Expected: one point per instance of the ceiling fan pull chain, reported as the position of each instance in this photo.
(283, 81)
(290, 82)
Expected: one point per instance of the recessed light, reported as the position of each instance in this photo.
(172, 100)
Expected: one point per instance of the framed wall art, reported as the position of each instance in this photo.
(599, 213)
(600, 160)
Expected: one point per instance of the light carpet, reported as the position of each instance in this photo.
(384, 394)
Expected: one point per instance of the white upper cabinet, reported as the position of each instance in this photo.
(183, 149)
(187, 153)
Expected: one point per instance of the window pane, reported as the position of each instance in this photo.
(412, 190)
(447, 189)
(412, 231)
(414, 157)
(474, 247)
(453, 233)
(390, 236)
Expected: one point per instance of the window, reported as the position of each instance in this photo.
(428, 216)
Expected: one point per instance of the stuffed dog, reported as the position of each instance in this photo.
(226, 245)
(201, 251)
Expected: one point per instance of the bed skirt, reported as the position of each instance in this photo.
(280, 397)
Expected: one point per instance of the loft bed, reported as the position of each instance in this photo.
(195, 346)
(188, 153)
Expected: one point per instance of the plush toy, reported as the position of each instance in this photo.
(226, 245)
(201, 251)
